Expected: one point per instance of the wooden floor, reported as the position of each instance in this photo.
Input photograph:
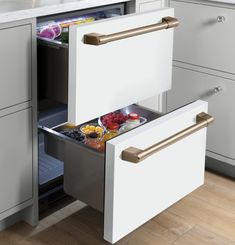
(205, 217)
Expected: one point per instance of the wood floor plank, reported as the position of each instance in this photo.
(211, 217)
(86, 228)
(216, 196)
(219, 180)
(221, 195)
(15, 234)
(168, 226)
(199, 235)
(142, 237)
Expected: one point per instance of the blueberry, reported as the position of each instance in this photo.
(74, 134)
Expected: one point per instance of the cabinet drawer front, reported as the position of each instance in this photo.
(205, 36)
(135, 193)
(219, 92)
(15, 65)
(15, 159)
(111, 76)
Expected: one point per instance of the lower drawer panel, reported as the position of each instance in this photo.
(130, 192)
(83, 167)
(84, 176)
(135, 193)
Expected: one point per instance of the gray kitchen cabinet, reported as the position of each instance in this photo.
(219, 93)
(18, 141)
(16, 180)
(204, 69)
(15, 65)
(205, 36)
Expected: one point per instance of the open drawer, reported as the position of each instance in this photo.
(128, 193)
(129, 60)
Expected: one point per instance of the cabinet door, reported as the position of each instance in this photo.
(205, 36)
(15, 65)
(191, 85)
(15, 159)
(107, 77)
(135, 193)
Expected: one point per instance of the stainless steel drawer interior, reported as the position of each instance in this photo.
(83, 166)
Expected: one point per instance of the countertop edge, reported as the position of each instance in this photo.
(53, 9)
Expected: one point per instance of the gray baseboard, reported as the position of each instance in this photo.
(9, 221)
(220, 167)
(28, 214)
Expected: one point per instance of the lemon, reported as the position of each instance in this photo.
(92, 127)
(87, 131)
(98, 129)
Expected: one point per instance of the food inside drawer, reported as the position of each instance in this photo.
(95, 133)
(57, 29)
(53, 52)
(82, 149)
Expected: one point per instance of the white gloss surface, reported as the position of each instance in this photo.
(13, 10)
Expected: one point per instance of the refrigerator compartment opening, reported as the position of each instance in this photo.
(86, 183)
(53, 55)
(53, 74)
(53, 30)
(51, 170)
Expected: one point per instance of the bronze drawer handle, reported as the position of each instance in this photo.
(136, 155)
(99, 39)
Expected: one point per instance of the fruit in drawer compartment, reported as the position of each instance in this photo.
(47, 33)
(74, 134)
(93, 140)
(114, 117)
(49, 29)
(89, 128)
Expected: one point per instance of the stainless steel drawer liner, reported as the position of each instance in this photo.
(84, 168)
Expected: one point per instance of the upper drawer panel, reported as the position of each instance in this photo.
(15, 65)
(205, 36)
(111, 76)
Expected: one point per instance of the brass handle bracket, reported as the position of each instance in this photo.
(94, 39)
(99, 39)
(204, 118)
(171, 22)
(136, 155)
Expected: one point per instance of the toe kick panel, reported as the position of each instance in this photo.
(136, 192)
(128, 59)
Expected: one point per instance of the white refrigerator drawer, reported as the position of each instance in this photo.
(106, 77)
(142, 171)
